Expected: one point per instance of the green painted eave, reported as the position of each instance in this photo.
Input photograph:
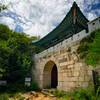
(65, 29)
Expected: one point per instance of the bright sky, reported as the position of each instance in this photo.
(39, 17)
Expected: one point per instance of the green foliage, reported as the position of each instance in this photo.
(33, 87)
(15, 55)
(67, 96)
(89, 48)
(2, 7)
(88, 94)
(1, 70)
(20, 87)
(7, 96)
(81, 94)
(4, 97)
(58, 93)
(16, 96)
(16, 87)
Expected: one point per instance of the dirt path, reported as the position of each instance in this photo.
(38, 96)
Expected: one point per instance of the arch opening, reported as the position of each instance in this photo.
(50, 75)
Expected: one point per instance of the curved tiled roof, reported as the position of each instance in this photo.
(73, 23)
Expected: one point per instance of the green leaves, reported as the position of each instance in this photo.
(1, 71)
(15, 54)
(2, 7)
(26, 63)
(89, 48)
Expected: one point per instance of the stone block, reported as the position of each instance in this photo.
(59, 88)
(60, 83)
(60, 78)
(81, 79)
(79, 64)
(74, 57)
(77, 68)
(63, 64)
(83, 73)
(64, 74)
(79, 84)
(63, 60)
(41, 77)
(68, 73)
(70, 62)
(90, 72)
(70, 66)
(85, 84)
(90, 67)
(64, 88)
(74, 79)
(76, 73)
(68, 84)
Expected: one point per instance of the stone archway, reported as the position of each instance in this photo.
(50, 75)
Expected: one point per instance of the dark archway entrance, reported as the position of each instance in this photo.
(50, 75)
(54, 77)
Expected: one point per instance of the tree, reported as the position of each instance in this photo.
(15, 54)
(2, 7)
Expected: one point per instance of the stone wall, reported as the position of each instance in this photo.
(72, 72)
(64, 43)
(93, 25)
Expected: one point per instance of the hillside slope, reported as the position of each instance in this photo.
(89, 48)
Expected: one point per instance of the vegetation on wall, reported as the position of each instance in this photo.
(89, 48)
(81, 94)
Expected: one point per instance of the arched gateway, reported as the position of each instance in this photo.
(50, 75)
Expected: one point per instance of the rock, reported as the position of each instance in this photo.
(27, 99)
(33, 93)
(51, 95)
(30, 98)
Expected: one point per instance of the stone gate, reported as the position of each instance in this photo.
(59, 66)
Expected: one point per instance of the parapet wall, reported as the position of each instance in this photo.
(72, 72)
(93, 25)
(64, 43)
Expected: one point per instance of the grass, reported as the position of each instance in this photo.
(6, 96)
(89, 48)
(81, 94)
(58, 93)
(16, 95)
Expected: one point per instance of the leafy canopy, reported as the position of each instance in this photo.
(15, 54)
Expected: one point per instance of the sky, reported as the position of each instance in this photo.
(39, 17)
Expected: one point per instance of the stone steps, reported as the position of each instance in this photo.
(48, 92)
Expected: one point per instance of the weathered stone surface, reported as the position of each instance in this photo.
(76, 73)
(72, 73)
(33, 93)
